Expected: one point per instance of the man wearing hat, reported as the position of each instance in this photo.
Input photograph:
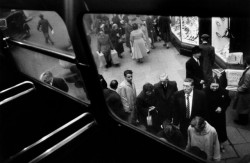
(207, 58)
(194, 68)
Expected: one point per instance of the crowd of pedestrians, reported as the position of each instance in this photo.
(194, 118)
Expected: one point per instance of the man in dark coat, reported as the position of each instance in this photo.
(44, 25)
(207, 58)
(164, 25)
(194, 68)
(59, 83)
(164, 91)
(188, 103)
(113, 101)
(243, 95)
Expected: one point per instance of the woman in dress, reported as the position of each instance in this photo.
(145, 32)
(137, 40)
(116, 39)
(218, 100)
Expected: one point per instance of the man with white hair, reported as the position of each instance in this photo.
(164, 90)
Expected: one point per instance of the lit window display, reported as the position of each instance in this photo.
(186, 29)
(220, 41)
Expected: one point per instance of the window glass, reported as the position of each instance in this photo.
(190, 30)
(176, 26)
(42, 28)
(57, 73)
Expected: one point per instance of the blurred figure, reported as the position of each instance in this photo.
(164, 26)
(44, 25)
(207, 58)
(151, 30)
(204, 136)
(194, 68)
(164, 91)
(145, 32)
(218, 101)
(116, 39)
(171, 134)
(104, 45)
(138, 41)
(26, 29)
(47, 77)
(103, 82)
(128, 28)
(146, 104)
(127, 91)
(243, 95)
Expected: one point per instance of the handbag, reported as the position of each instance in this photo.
(114, 57)
(149, 120)
(101, 59)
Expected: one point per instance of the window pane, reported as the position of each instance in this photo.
(66, 76)
(42, 28)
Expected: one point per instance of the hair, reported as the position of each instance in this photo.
(189, 80)
(113, 84)
(163, 76)
(215, 79)
(135, 26)
(196, 49)
(45, 73)
(147, 87)
(114, 25)
(41, 15)
(127, 72)
(198, 122)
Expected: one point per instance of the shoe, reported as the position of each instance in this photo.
(148, 52)
(119, 56)
(167, 47)
(153, 47)
(164, 44)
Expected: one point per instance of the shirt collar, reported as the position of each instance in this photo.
(195, 59)
(191, 93)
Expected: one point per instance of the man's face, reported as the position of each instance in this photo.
(197, 55)
(164, 81)
(48, 78)
(214, 86)
(129, 77)
(187, 87)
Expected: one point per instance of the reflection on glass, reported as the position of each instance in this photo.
(176, 26)
(190, 30)
(42, 28)
(58, 73)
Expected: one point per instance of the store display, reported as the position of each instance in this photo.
(235, 58)
(190, 30)
(176, 26)
(233, 77)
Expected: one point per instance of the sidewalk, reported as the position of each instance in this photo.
(170, 61)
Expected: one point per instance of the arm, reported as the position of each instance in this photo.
(122, 92)
(212, 56)
(50, 26)
(246, 83)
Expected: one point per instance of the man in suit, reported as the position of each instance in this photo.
(59, 83)
(164, 90)
(188, 103)
(151, 30)
(207, 58)
(243, 95)
(114, 101)
(164, 25)
(194, 68)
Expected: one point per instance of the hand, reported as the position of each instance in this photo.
(202, 82)
(151, 108)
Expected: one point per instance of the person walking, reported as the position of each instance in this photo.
(44, 26)
(138, 41)
(164, 28)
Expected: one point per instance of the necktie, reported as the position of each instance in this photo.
(187, 106)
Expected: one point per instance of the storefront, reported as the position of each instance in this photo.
(186, 32)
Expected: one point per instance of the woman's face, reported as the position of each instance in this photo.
(214, 86)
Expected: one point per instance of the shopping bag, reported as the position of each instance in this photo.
(149, 120)
(101, 59)
(114, 57)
